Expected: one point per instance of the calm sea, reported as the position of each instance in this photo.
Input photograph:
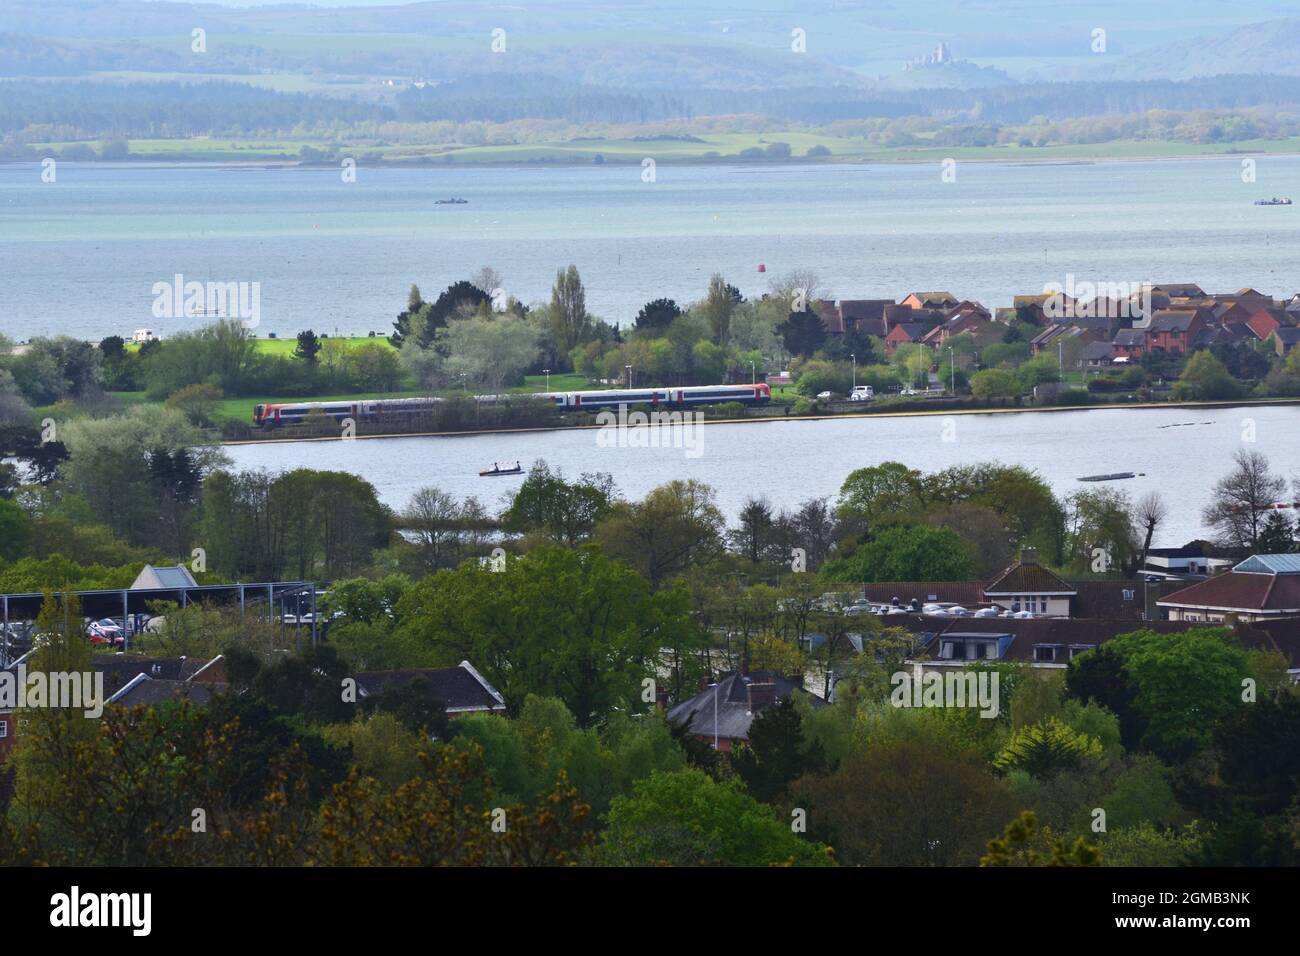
(82, 254)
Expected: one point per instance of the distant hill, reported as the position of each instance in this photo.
(1268, 47)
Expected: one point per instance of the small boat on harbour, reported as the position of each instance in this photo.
(453, 201)
(1116, 476)
(1275, 201)
(496, 469)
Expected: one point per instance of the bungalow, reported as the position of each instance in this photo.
(722, 713)
(1097, 355)
(1261, 587)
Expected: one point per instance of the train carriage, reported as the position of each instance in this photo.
(277, 415)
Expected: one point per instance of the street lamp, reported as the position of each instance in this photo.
(753, 373)
(547, 372)
(855, 370)
(717, 686)
(952, 371)
(628, 369)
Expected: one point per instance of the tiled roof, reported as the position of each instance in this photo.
(1028, 579)
(1172, 319)
(457, 688)
(1180, 289)
(1241, 591)
(120, 669)
(147, 691)
(1130, 337)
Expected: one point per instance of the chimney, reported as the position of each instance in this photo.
(1028, 555)
(761, 694)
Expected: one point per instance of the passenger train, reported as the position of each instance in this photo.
(398, 410)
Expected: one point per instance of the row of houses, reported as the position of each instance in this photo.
(1055, 621)
(1175, 319)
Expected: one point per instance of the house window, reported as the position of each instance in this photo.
(4, 728)
(1079, 649)
(1045, 653)
(947, 651)
(1128, 594)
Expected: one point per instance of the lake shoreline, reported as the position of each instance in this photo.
(914, 413)
(272, 163)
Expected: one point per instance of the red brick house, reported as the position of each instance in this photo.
(1174, 330)
(904, 333)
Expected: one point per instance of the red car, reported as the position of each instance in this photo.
(105, 631)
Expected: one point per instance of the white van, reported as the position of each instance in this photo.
(862, 393)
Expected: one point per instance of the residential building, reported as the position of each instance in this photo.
(460, 690)
(722, 713)
(1261, 587)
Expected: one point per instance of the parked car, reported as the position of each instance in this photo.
(105, 631)
(825, 396)
(862, 393)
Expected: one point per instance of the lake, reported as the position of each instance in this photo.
(81, 255)
(1181, 451)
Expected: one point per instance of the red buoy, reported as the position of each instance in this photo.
(761, 267)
